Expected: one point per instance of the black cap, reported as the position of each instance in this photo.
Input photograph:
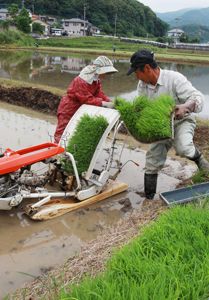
(140, 58)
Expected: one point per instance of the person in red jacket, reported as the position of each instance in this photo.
(84, 89)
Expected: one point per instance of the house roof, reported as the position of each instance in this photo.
(176, 30)
(74, 20)
(34, 17)
(3, 10)
(40, 21)
(95, 27)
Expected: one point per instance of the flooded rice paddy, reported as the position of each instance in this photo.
(57, 70)
(33, 247)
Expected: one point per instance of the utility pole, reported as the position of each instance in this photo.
(132, 30)
(177, 19)
(115, 24)
(23, 3)
(84, 20)
(33, 9)
(198, 35)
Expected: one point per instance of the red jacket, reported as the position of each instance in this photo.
(79, 92)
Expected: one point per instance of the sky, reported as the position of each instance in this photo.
(171, 5)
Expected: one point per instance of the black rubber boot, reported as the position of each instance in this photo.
(150, 185)
(200, 161)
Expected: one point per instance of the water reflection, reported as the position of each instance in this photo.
(59, 71)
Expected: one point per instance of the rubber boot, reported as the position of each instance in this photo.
(150, 185)
(200, 161)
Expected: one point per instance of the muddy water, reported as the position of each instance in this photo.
(33, 247)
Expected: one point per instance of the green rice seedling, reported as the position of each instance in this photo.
(147, 120)
(168, 261)
(84, 141)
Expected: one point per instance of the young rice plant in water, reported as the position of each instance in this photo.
(147, 120)
(84, 141)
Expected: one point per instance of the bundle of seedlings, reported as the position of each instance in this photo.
(147, 120)
(84, 141)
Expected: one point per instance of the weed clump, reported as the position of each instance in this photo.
(84, 141)
(200, 176)
(147, 120)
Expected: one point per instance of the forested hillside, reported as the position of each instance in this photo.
(132, 16)
(195, 30)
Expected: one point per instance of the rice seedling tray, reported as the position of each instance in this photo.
(148, 120)
(187, 194)
(156, 140)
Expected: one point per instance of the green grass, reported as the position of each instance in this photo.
(147, 120)
(84, 141)
(170, 260)
(16, 38)
(92, 43)
(200, 176)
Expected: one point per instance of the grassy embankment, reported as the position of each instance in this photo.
(15, 37)
(98, 45)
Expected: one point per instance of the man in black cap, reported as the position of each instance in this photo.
(153, 82)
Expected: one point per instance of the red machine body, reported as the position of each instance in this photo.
(14, 160)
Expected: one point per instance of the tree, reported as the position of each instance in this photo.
(5, 24)
(59, 24)
(37, 27)
(161, 40)
(170, 40)
(23, 21)
(184, 38)
(13, 10)
(195, 40)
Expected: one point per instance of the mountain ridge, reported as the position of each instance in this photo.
(186, 16)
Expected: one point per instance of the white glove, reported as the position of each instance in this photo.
(108, 104)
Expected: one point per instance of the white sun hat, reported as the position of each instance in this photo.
(101, 65)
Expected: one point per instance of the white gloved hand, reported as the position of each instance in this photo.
(108, 104)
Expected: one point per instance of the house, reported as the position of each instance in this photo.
(29, 12)
(51, 20)
(34, 17)
(4, 13)
(75, 26)
(46, 26)
(175, 34)
(94, 30)
(43, 18)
